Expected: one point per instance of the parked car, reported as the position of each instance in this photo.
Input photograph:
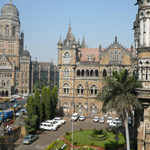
(81, 118)
(48, 126)
(75, 117)
(54, 122)
(24, 110)
(18, 113)
(109, 119)
(29, 139)
(59, 119)
(12, 100)
(95, 119)
(114, 124)
(117, 120)
(102, 120)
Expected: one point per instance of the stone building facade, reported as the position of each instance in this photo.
(81, 72)
(142, 44)
(17, 72)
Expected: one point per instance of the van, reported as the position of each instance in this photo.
(48, 126)
(75, 117)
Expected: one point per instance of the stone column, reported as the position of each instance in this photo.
(144, 32)
(141, 32)
(147, 32)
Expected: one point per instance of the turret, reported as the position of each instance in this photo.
(83, 45)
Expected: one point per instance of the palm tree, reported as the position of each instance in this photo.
(119, 94)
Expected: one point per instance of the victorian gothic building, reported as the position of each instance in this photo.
(82, 69)
(17, 72)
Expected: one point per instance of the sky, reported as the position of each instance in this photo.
(43, 21)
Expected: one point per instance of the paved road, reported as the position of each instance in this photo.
(46, 138)
(10, 105)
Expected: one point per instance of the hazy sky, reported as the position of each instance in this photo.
(43, 21)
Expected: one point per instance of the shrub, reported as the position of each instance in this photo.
(75, 142)
(81, 129)
(67, 133)
(50, 146)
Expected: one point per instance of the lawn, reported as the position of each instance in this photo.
(82, 138)
(56, 145)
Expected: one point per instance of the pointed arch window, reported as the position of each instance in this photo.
(14, 31)
(80, 89)
(111, 56)
(119, 56)
(67, 58)
(116, 56)
(93, 90)
(2, 83)
(66, 72)
(7, 30)
(80, 108)
(66, 88)
(104, 73)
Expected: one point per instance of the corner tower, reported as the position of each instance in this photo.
(142, 44)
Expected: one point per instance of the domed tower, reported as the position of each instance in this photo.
(142, 43)
(10, 33)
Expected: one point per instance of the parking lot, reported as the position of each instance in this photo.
(47, 137)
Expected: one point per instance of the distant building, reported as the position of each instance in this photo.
(82, 69)
(17, 72)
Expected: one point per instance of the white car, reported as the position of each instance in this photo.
(75, 117)
(109, 119)
(48, 126)
(102, 120)
(114, 124)
(117, 120)
(82, 118)
(53, 122)
(59, 119)
(95, 119)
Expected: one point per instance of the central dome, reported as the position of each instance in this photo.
(10, 9)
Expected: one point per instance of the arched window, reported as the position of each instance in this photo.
(66, 88)
(96, 73)
(104, 73)
(14, 31)
(67, 58)
(87, 73)
(91, 73)
(116, 56)
(93, 109)
(78, 73)
(111, 56)
(2, 83)
(7, 30)
(82, 73)
(66, 107)
(119, 56)
(66, 72)
(80, 108)
(141, 73)
(93, 90)
(80, 89)
(8, 83)
(1, 29)
(90, 58)
(147, 73)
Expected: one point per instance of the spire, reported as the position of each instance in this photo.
(115, 39)
(79, 42)
(10, 1)
(60, 42)
(69, 34)
(83, 43)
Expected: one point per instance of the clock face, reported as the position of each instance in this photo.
(67, 58)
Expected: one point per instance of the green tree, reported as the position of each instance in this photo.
(48, 104)
(119, 93)
(43, 99)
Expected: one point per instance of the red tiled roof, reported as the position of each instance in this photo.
(85, 52)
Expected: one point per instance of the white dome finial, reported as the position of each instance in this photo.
(10, 1)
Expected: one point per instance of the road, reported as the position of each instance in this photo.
(47, 137)
(10, 105)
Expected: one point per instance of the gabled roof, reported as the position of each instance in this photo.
(116, 45)
(5, 59)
